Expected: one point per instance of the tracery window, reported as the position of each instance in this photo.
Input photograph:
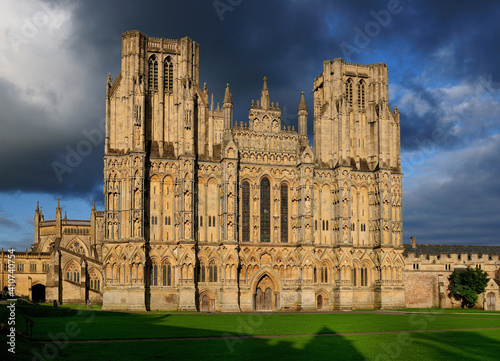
(245, 212)
(348, 91)
(77, 247)
(166, 270)
(284, 213)
(361, 94)
(324, 273)
(168, 74)
(95, 283)
(73, 273)
(154, 274)
(153, 74)
(212, 270)
(265, 210)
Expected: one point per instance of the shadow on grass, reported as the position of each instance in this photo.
(71, 334)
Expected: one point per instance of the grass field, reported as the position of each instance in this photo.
(71, 333)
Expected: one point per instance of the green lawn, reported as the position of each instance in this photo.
(473, 335)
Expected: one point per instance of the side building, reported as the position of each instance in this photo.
(63, 264)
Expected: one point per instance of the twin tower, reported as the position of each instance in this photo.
(206, 212)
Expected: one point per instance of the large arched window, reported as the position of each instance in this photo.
(348, 91)
(95, 282)
(153, 74)
(245, 212)
(361, 94)
(73, 273)
(284, 212)
(168, 74)
(265, 210)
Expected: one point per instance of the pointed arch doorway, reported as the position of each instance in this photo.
(265, 296)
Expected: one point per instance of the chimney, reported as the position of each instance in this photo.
(413, 242)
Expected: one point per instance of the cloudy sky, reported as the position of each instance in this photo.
(443, 72)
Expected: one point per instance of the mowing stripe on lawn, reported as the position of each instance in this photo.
(269, 336)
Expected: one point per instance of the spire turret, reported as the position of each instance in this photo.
(302, 115)
(227, 107)
(264, 98)
(227, 96)
(302, 105)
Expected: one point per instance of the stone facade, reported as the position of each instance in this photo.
(206, 213)
(63, 263)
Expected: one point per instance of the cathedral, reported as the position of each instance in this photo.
(206, 212)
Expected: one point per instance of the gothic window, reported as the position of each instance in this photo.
(245, 212)
(20, 266)
(77, 247)
(153, 74)
(166, 270)
(265, 210)
(348, 91)
(168, 74)
(212, 271)
(202, 270)
(95, 283)
(353, 278)
(33, 267)
(154, 274)
(201, 221)
(45, 267)
(364, 276)
(361, 94)
(284, 213)
(209, 221)
(73, 273)
(324, 274)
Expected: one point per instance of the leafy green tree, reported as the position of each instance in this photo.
(465, 286)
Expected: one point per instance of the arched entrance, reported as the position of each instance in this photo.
(265, 298)
(490, 302)
(207, 302)
(319, 303)
(38, 293)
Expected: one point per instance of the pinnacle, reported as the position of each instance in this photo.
(302, 105)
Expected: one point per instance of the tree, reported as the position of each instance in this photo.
(465, 286)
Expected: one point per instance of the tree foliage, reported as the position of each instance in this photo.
(465, 286)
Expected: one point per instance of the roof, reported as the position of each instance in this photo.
(434, 249)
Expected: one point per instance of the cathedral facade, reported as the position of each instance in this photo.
(206, 213)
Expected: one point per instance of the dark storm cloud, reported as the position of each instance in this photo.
(32, 140)
(428, 46)
(460, 204)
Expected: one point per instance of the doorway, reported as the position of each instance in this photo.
(263, 297)
(38, 293)
(490, 302)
